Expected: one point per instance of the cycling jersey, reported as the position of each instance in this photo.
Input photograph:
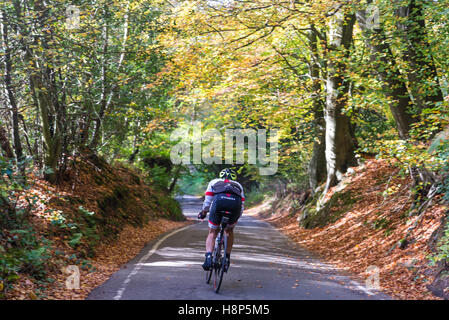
(218, 186)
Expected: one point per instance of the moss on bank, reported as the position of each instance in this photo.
(314, 216)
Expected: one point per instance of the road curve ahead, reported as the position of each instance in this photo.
(264, 265)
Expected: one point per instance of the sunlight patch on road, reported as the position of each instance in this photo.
(180, 252)
(176, 264)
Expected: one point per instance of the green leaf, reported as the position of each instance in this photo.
(76, 239)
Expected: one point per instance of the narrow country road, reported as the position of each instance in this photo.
(264, 265)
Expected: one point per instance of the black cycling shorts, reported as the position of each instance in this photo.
(225, 202)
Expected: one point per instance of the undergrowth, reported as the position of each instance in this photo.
(442, 247)
(22, 249)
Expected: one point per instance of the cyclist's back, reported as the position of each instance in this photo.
(223, 195)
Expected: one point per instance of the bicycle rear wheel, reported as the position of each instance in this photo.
(219, 269)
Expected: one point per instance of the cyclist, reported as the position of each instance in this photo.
(223, 194)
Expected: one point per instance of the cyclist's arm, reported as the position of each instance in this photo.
(209, 195)
(243, 196)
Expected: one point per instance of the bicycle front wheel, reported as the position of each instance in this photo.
(219, 270)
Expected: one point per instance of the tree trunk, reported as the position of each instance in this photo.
(9, 89)
(175, 179)
(103, 101)
(420, 67)
(50, 131)
(106, 101)
(37, 147)
(50, 110)
(4, 143)
(317, 170)
(385, 66)
(317, 167)
(339, 140)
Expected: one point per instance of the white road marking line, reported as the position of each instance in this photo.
(138, 265)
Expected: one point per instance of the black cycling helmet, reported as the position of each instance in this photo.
(228, 174)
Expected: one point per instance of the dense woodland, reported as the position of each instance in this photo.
(343, 81)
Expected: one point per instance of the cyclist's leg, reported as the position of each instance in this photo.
(236, 213)
(230, 241)
(213, 223)
(230, 234)
(210, 241)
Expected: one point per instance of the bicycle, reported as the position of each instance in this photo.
(219, 260)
